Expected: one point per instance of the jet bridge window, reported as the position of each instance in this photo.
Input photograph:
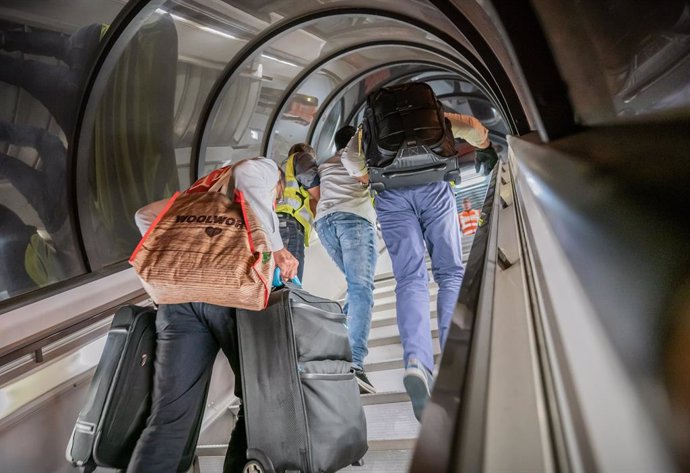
(46, 53)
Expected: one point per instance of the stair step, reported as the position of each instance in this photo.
(394, 444)
(209, 464)
(389, 364)
(384, 279)
(392, 421)
(392, 364)
(384, 398)
(386, 299)
(393, 350)
(388, 302)
(387, 317)
(384, 285)
(387, 334)
(383, 461)
(378, 307)
(387, 380)
(377, 460)
(390, 426)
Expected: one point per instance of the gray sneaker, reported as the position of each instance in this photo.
(365, 386)
(418, 382)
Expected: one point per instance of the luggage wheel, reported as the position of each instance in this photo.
(253, 467)
(359, 462)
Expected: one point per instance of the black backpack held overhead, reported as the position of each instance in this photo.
(407, 139)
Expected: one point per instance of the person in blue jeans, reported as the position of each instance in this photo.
(414, 220)
(345, 222)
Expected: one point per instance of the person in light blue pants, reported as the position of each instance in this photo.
(410, 218)
(416, 219)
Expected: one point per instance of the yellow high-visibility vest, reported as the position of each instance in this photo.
(295, 199)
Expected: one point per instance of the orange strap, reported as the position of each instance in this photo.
(153, 225)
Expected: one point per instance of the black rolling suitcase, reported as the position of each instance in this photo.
(119, 398)
(302, 406)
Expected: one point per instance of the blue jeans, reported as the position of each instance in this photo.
(292, 234)
(409, 218)
(351, 242)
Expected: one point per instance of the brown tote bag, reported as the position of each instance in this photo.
(205, 248)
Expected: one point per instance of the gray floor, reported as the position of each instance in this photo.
(386, 461)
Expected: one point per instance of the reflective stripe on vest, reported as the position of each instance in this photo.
(295, 200)
(469, 222)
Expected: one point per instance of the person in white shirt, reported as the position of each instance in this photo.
(345, 222)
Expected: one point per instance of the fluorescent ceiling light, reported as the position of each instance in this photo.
(279, 60)
(197, 25)
(219, 33)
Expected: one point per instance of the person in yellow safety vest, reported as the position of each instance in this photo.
(469, 218)
(297, 206)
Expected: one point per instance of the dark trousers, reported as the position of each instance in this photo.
(188, 339)
(292, 234)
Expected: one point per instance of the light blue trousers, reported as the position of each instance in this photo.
(411, 217)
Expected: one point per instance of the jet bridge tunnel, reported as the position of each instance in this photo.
(569, 350)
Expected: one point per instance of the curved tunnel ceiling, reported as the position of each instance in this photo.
(213, 81)
(224, 76)
(348, 63)
(350, 36)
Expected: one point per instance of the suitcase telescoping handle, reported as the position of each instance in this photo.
(278, 281)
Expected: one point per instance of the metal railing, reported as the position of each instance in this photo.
(25, 355)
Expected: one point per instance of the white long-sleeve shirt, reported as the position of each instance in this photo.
(257, 180)
(341, 192)
(464, 126)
